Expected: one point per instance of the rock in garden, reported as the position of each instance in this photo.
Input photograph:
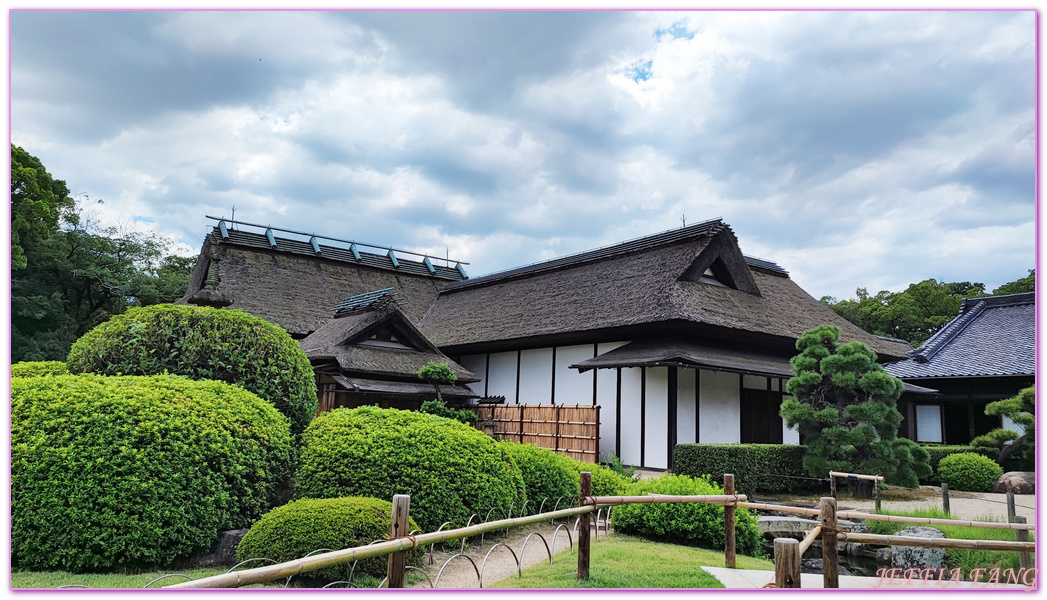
(814, 565)
(916, 557)
(224, 550)
(1019, 482)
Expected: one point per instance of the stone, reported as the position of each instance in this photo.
(223, 552)
(814, 565)
(916, 557)
(1019, 482)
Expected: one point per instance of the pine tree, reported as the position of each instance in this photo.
(845, 407)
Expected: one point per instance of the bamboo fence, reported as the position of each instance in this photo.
(573, 431)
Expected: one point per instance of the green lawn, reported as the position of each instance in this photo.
(622, 562)
(965, 560)
(53, 579)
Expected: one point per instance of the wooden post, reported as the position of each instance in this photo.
(398, 528)
(830, 555)
(876, 495)
(945, 498)
(728, 523)
(586, 490)
(832, 486)
(556, 440)
(1024, 558)
(1011, 513)
(786, 563)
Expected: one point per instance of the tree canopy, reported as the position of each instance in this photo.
(68, 273)
(919, 311)
(845, 408)
(1021, 410)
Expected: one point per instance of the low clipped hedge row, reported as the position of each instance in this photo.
(689, 523)
(939, 452)
(756, 467)
(135, 472)
(301, 527)
(449, 469)
(547, 475)
(39, 368)
(969, 472)
(203, 343)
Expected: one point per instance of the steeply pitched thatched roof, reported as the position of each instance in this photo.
(646, 281)
(292, 286)
(992, 336)
(347, 340)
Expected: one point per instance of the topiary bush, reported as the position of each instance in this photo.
(134, 472)
(294, 530)
(969, 472)
(690, 523)
(39, 368)
(438, 408)
(547, 475)
(756, 467)
(937, 453)
(606, 481)
(203, 343)
(449, 469)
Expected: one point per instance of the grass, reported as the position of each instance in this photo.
(965, 560)
(53, 579)
(621, 562)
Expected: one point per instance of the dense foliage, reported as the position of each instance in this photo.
(919, 311)
(438, 408)
(845, 406)
(127, 472)
(691, 523)
(437, 374)
(449, 469)
(937, 453)
(296, 529)
(39, 368)
(606, 481)
(67, 273)
(204, 343)
(547, 475)
(1019, 448)
(756, 467)
(969, 472)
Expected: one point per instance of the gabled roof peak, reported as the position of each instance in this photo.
(367, 301)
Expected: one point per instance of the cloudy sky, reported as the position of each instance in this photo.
(868, 149)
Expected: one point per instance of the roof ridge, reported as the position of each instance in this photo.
(938, 341)
(1001, 300)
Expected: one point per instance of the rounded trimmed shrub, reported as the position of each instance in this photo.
(133, 472)
(690, 523)
(295, 529)
(39, 368)
(203, 343)
(969, 472)
(449, 469)
(606, 481)
(547, 475)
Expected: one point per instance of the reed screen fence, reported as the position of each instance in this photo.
(573, 431)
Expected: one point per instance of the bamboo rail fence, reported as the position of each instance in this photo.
(573, 431)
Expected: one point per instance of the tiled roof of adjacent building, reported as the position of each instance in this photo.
(992, 336)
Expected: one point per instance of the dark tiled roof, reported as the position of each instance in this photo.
(992, 336)
(364, 301)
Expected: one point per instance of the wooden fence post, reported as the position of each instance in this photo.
(830, 554)
(1011, 513)
(786, 563)
(586, 490)
(832, 486)
(398, 529)
(876, 495)
(1024, 558)
(945, 498)
(728, 523)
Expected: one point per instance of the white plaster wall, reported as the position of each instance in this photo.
(631, 416)
(719, 408)
(607, 399)
(502, 376)
(536, 376)
(573, 387)
(928, 423)
(1009, 424)
(789, 436)
(477, 363)
(685, 406)
(752, 382)
(656, 422)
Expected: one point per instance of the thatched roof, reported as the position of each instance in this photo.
(349, 342)
(652, 280)
(296, 288)
(992, 337)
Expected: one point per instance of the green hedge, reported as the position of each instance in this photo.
(939, 452)
(756, 467)
(606, 482)
(969, 472)
(294, 530)
(690, 523)
(39, 368)
(203, 343)
(449, 469)
(130, 472)
(547, 475)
